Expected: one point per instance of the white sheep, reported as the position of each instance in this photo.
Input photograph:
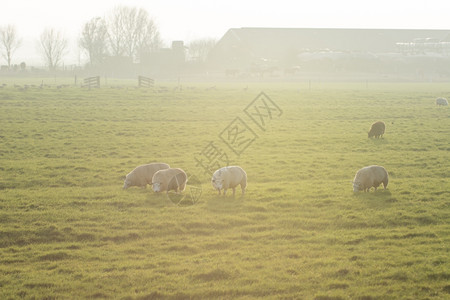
(229, 177)
(441, 101)
(142, 175)
(371, 176)
(169, 179)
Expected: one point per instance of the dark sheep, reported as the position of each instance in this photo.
(377, 129)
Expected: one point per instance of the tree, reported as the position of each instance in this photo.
(54, 47)
(115, 32)
(199, 49)
(131, 32)
(9, 42)
(147, 37)
(94, 40)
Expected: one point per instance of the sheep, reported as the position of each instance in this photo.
(229, 177)
(441, 101)
(371, 176)
(377, 129)
(142, 175)
(169, 179)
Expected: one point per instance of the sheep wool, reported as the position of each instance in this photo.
(229, 177)
(169, 179)
(368, 177)
(142, 175)
(377, 129)
(441, 101)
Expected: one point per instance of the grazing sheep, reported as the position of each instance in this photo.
(377, 129)
(371, 176)
(142, 175)
(441, 101)
(169, 179)
(229, 177)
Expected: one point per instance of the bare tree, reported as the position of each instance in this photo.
(115, 31)
(94, 40)
(9, 42)
(199, 49)
(54, 47)
(149, 40)
(131, 31)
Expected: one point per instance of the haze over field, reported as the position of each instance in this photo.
(69, 230)
(181, 20)
(289, 91)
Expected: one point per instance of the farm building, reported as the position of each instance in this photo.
(370, 50)
(165, 59)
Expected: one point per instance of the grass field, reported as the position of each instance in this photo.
(68, 230)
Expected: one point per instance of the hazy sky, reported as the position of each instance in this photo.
(188, 20)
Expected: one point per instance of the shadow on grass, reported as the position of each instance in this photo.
(54, 256)
(379, 141)
(225, 204)
(378, 195)
(157, 200)
(213, 275)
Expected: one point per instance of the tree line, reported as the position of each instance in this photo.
(125, 31)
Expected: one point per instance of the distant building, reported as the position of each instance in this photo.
(165, 60)
(259, 49)
(117, 66)
(425, 46)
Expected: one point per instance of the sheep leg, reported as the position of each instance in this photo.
(234, 191)
(178, 186)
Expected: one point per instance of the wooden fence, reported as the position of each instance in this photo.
(91, 82)
(145, 82)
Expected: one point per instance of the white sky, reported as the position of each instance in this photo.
(187, 20)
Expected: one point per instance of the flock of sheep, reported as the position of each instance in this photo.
(164, 178)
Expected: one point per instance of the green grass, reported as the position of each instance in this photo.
(68, 230)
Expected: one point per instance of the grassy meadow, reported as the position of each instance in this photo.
(69, 231)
